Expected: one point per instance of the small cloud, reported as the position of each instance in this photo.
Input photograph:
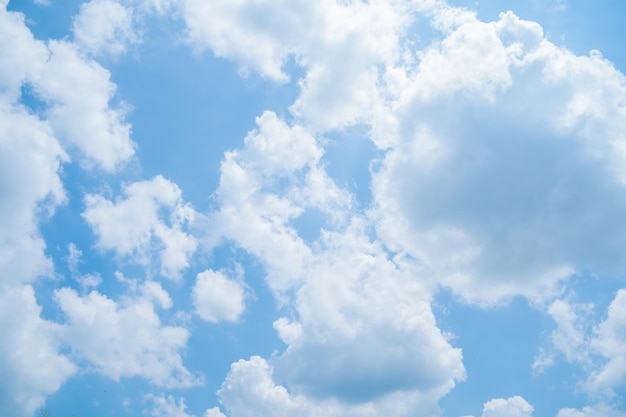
(218, 298)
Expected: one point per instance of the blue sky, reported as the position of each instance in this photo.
(296, 208)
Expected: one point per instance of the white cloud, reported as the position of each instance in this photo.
(218, 298)
(104, 27)
(135, 226)
(459, 198)
(213, 412)
(30, 158)
(360, 329)
(22, 56)
(250, 391)
(596, 410)
(73, 260)
(168, 406)
(239, 30)
(262, 192)
(125, 338)
(346, 61)
(30, 363)
(79, 92)
(610, 343)
(364, 328)
(512, 407)
(597, 347)
(485, 193)
(341, 46)
(571, 336)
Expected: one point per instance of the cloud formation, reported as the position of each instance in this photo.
(104, 27)
(485, 194)
(152, 218)
(218, 298)
(502, 158)
(30, 363)
(126, 338)
(511, 407)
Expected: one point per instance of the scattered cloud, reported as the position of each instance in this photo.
(502, 175)
(150, 219)
(218, 298)
(512, 407)
(596, 410)
(104, 27)
(30, 359)
(126, 338)
(86, 281)
(610, 342)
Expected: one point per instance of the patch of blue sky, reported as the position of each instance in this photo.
(348, 159)
(189, 109)
(47, 21)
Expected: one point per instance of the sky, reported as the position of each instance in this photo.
(361, 208)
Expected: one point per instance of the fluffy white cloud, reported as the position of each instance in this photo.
(77, 92)
(30, 157)
(570, 337)
(263, 191)
(610, 343)
(218, 298)
(485, 194)
(250, 391)
(482, 208)
(151, 218)
(30, 363)
(104, 27)
(213, 412)
(23, 57)
(512, 407)
(80, 92)
(242, 31)
(364, 327)
(597, 347)
(360, 329)
(341, 46)
(125, 338)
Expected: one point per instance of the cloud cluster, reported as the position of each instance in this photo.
(341, 46)
(125, 338)
(150, 219)
(595, 346)
(30, 362)
(480, 197)
(362, 337)
(54, 104)
(249, 390)
(485, 193)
